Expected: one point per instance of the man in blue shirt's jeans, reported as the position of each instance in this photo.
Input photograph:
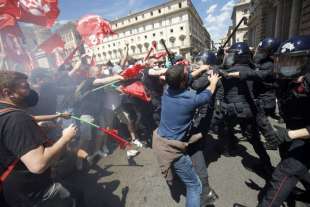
(178, 109)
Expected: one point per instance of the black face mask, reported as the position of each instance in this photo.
(31, 100)
(259, 57)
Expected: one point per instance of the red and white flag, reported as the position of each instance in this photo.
(13, 47)
(10, 7)
(52, 43)
(93, 29)
(9, 13)
(40, 12)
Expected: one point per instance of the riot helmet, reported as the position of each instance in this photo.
(293, 58)
(206, 58)
(266, 48)
(238, 53)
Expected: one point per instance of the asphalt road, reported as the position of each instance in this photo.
(119, 182)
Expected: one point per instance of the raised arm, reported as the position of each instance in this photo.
(39, 159)
(102, 81)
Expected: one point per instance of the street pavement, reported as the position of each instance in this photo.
(119, 182)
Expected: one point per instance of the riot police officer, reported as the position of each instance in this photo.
(292, 69)
(238, 105)
(292, 75)
(201, 124)
(264, 91)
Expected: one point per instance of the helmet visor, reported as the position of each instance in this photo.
(288, 67)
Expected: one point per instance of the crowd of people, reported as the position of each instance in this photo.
(184, 101)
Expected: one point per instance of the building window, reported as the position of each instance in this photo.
(151, 13)
(181, 28)
(171, 30)
(245, 11)
(154, 34)
(142, 15)
(159, 11)
(136, 18)
(169, 7)
(180, 5)
(116, 25)
(161, 33)
(109, 45)
(114, 44)
(145, 36)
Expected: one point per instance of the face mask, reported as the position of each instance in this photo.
(106, 72)
(228, 60)
(258, 57)
(31, 100)
(289, 71)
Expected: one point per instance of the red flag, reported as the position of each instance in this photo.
(137, 90)
(93, 29)
(52, 43)
(6, 20)
(40, 12)
(113, 133)
(10, 7)
(132, 71)
(13, 47)
(9, 12)
(159, 55)
(153, 48)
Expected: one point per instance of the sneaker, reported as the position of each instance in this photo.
(210, 198)
(137, 143)
(105, 149)
(132, 153)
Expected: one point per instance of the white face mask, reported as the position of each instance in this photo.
(289, 71)
(106, 72)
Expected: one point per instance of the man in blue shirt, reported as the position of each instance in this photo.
(179, 104)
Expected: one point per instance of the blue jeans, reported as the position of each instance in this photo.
(186, 172)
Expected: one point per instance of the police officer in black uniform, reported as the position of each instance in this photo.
(264, 91)
(201, 124)
(292, 75)
(293, 69)
(238, 105)
(204, 119)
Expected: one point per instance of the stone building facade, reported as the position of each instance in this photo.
(175, 21)
(240, 10)
(278, 18)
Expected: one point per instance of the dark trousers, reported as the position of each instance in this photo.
(264, 125)
(291, 169)
(196, 152)
(60, 196)
(240, 113)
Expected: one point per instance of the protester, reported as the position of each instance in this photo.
(178, 108)
(26, 149)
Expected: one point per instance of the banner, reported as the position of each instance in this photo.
(40, 12)
(93, 29)
(14, 49)
(53, 42)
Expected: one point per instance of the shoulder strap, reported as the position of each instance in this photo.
(11, 167)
